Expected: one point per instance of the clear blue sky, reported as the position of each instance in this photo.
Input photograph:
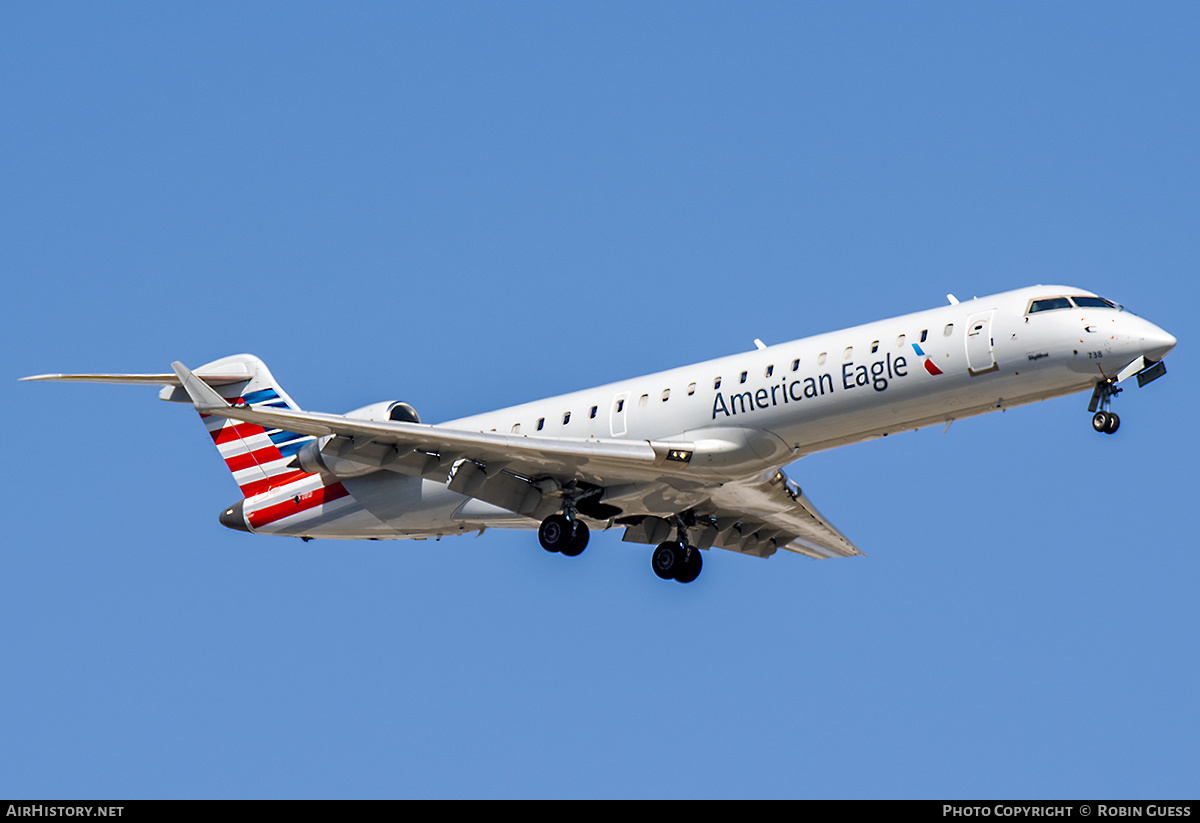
(470, 205)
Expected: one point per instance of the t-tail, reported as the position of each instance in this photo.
(257, 457)
(260, 459)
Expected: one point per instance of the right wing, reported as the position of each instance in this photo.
(774, 512)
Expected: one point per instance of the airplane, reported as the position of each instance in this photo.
(684, 460)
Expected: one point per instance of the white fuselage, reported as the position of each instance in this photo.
(857, 383)
(756, 411)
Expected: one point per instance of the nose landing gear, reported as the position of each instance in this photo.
(1104, 421)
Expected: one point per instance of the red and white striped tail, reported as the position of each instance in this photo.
(258, 457)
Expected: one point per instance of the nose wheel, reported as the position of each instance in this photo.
(1104, 421)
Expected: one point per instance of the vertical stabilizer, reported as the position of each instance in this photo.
(257, 457)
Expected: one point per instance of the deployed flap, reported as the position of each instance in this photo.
(757, 517)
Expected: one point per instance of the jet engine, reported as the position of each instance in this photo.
(337, 455)
(394, 410)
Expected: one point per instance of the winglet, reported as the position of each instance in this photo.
(204, 397)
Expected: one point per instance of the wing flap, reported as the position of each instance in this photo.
(757, 517)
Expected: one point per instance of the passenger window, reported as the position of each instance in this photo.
(848, 354)
(770, 370)
(716, 384)
(541, 422)
(516, 429)
(874, 347)
(796, 364)
(643, 400)
(566, 418)
(691, 389)
(666, 395)
(821, 359)
(593, 414)
(924, 335)
(949, 330)
(743, 380)
(900, 342)
(620, 405)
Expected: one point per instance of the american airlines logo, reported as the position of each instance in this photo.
(925, 361)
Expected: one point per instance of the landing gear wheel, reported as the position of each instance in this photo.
(667, 560)
(1100, 421)
(1113, 424)
(557, 533)
(692, 564)
(578, 543)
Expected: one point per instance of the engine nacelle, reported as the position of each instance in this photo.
(314, 458)
(329, 454)
(394, 410)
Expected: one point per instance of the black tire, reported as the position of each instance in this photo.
(1114, 423)
(666, 560)
(556, 533)
(692, 564)
(1100, 421)
(579, 543)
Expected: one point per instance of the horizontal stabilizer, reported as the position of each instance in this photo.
(140, 379)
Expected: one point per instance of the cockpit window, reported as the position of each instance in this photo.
(1049, 304)
(1084, 302)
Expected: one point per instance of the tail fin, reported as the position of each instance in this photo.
(257, 457)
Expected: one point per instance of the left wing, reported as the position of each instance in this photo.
(421, 449)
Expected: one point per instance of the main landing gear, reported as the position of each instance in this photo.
(560, 533)
(1104, 421)
(676, 560)
(672, 560)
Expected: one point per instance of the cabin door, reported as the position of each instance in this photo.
(980, 356)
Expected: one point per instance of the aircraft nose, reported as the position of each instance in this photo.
(1156, 343)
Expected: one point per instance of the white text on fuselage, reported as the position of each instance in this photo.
(854, 375)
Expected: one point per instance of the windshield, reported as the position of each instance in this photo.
(1082, 301)
(1093, 303)
(1049, 304)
